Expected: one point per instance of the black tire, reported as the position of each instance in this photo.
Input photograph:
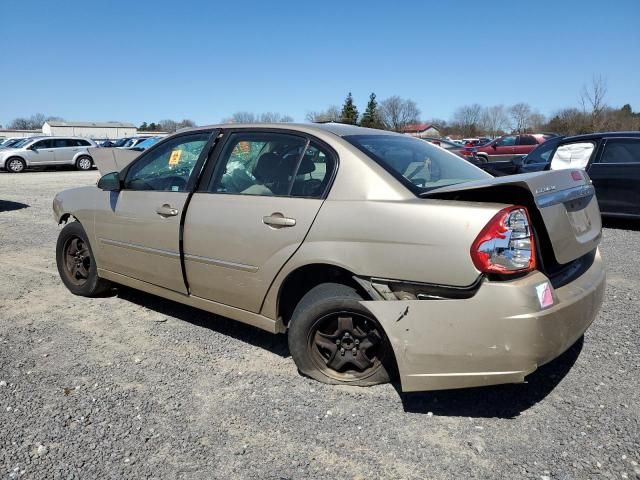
(15, 165)
(84, 162)
(332, 304)
(483, 159)
(78, 272)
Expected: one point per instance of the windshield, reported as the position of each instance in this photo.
(419, 165)
(21, 143)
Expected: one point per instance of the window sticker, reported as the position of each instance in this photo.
(174, 159)
(545, 298)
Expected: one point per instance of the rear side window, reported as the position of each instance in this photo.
(419, 165)
(572, 155)
(527, 140)
(272, 164)
(81, 143)
(621, 150)
(62, 143)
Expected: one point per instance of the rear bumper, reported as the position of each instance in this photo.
(500, 335)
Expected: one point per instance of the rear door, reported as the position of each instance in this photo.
(525, 144)
(616, 176)
(252, 212)
(65, 149)
(138, 228)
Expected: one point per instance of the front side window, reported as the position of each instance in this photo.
(169, 167)
(268, 164)
(508, 141)
(572, 155)
(621, 150)
(419, 165)
(62, 143)
(542, 153)
(43, 144)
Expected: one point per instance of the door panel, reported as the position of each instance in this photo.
(133, 239)
(138, 229)
(616, 177)
(43, 154)
(231, 254)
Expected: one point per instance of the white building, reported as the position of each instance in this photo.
(12, 133)
(90, 129)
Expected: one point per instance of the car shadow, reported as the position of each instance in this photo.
(276, 344)
(501, 401)
(8, 206)
(621, 223)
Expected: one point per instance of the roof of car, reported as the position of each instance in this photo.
(593, 136)
(339, 129)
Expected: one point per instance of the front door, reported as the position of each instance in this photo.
(253, 214)
(503, 149)
(42, 153)
(137, 229)
(616, 176)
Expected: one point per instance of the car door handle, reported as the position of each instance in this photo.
(277, 220)
(167, 210)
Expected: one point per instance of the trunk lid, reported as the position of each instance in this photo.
(563, 200)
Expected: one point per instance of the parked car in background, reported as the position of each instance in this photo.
(476, 142)
(509, 146)
(468, 153)
(373, 250)
(535, 161)
(612, 161)
(47, 151)
(146, 143)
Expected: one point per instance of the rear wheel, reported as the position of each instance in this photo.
(84, 163)
(15, 165)
(76, 264)
(334, 339)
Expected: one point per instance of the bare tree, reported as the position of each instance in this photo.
(592, 101)
(186, 123)
(537, 122)
(468, 119)
(168, 125)
(397, 112)
(494, 120)
(34, 122)
(272, 117)
(520, 114)
(331, 114)
(19, 124)
(241, 117)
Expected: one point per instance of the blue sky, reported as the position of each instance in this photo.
(146, 61)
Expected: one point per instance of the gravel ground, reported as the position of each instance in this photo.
(133, 386)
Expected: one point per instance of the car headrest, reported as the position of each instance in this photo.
(265, 166)
(306, 166)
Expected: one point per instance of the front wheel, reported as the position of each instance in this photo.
(15, 165)
(76, 264)
(335, 340)
(84, 163)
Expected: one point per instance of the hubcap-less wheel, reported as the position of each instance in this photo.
(16, 165)
(77, 261)
(84, 163)
(346, 345)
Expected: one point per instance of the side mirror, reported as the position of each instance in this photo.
(32, 147)
(110, 182)
(494, 145)
(518, 161)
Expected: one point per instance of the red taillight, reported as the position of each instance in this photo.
(467, 153)
(506, 244)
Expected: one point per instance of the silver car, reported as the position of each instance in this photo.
(40, 152)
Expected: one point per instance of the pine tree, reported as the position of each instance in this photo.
(143, 127)
(349, 111)
(370, 117)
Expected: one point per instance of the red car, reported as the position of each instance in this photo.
(509, 146)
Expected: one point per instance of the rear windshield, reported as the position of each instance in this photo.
(418, 164)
